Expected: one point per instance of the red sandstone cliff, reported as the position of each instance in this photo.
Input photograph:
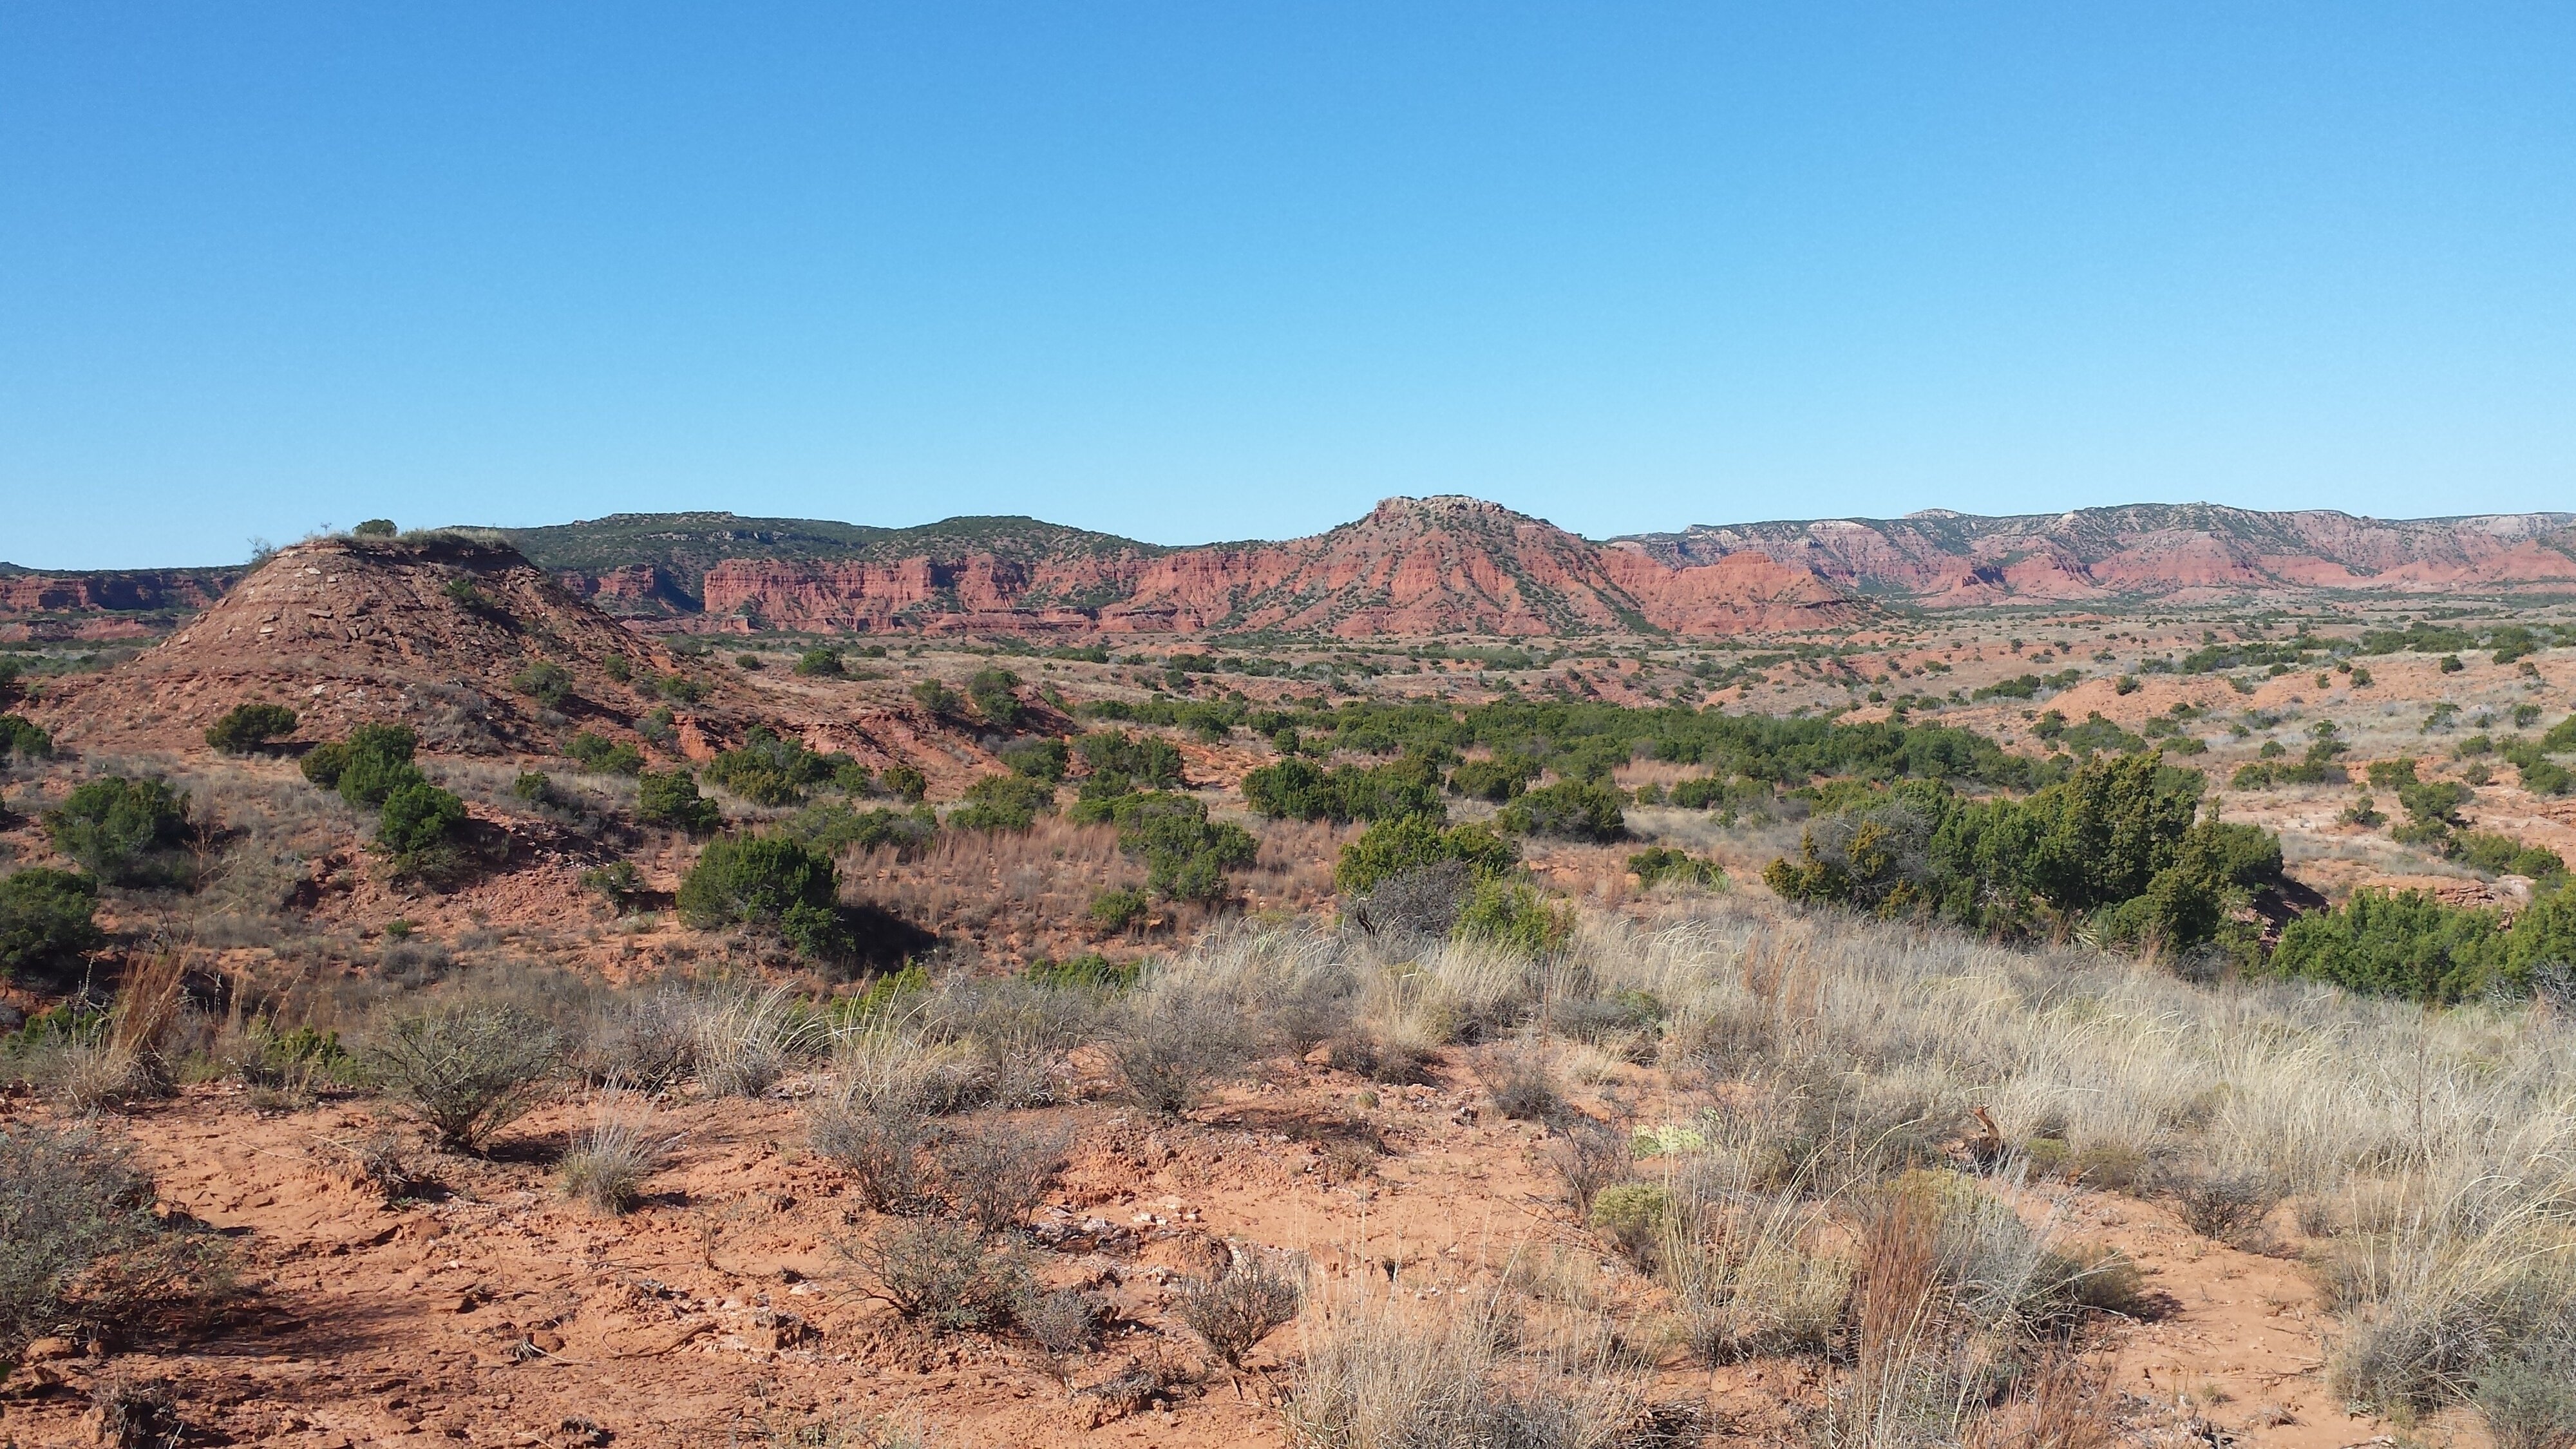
(1412, 567)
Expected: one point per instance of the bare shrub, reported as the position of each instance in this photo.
(880, 1141)
(1239, 1307)
(1173, 1047)
(609, 1160)
(1516, 1078)
(1588, 1156)
(2219, 1203)
(648, 1042)
(134, 1413)
(464, 1070)
(1065, 1321)
(383, 1162)
(944, 1275)
(995, 1172)
(1393, 1064)
(1419, 905)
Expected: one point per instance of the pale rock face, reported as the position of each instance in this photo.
(2180, 551)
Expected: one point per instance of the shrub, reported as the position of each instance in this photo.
(992, 691)
(2504, 855)
(769, 770)
(1116, 910)
(936, 697)
(599, 753)
(819, 663)
(672, 799)
(617, 882)
(769, 884)
(1393, 847)
(421, 833)
(994, 1174)
(1039, 759)
(80, 1246)
(463, 1070)
(1567, 810)
(880, 1142)
(121, 831)
(373, 762)
(1296, 790)
(1147, 762)
(1003, 802)
(1172, 1048)
(375, 528)
(246, 727)
(1238, 1308)
(545, 681)
(1631, 1218)
(616, 667)
(749, 661)
(1186, 855)
(1513, 915)
(2403, 944)
(1656, 865)
(833, 828)
(903, 782)
(1497, 780)
(681, 689)
(2528, 1396)
(945, 1276)
(22, 737)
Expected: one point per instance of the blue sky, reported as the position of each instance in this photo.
(1198, 271)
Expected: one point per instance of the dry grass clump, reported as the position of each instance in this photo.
(1378, 1376)
(747, 1041)
(609, 1160)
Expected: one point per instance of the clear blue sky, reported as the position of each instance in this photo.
(1206, 271)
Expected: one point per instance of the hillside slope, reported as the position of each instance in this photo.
(428, 631)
